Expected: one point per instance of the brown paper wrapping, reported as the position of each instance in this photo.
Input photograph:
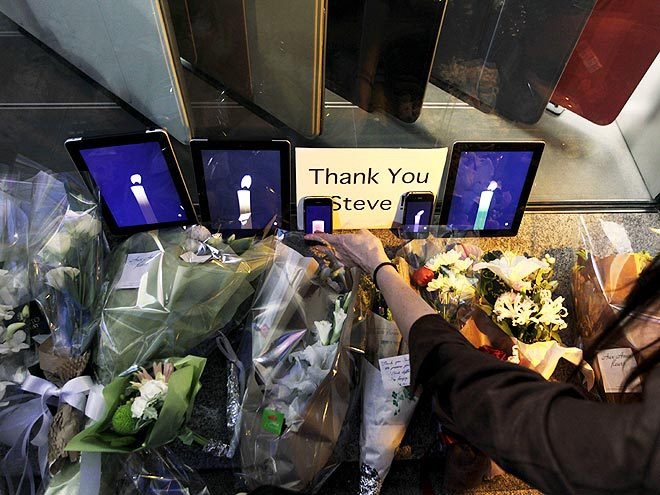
(67, 422)
(600, 286)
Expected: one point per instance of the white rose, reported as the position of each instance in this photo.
(56, 277)
(59, 244)
(153, 389)
(138, 407)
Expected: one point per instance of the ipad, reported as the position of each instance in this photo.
(138, 180)
(243, 186)
(487, 187)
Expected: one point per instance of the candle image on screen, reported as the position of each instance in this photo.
(244, 202)
(485, 199)
(418, 218)
(142, 200)
(318, 226)
(487, 190)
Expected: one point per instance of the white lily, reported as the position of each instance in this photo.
(513, 269)
(324, 328)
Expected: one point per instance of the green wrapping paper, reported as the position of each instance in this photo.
(178, 304)
(183, 386)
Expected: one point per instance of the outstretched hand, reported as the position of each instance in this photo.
(362, 249)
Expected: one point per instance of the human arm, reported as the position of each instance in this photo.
(365, 250)
(545, 433)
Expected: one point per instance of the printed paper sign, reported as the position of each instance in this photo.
(615, 366)
(366, 184)
(395, 371)
(136, 265)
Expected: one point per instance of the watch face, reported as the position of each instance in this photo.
(136, 184)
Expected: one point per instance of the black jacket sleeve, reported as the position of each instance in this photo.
(545, 433)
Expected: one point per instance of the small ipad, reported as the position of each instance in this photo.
(487, 187)
(243, 186)
(138, 179)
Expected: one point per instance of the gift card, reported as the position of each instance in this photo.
(615, 366)
(136, 265)
(395, 371)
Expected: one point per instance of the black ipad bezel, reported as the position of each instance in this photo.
(536, 147)
(282, 145)
(160, 136)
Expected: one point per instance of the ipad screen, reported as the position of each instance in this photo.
(243, 187)
(489, 190)
(136, 184)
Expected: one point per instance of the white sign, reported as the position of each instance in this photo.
(395, 371)
(615, 366)
(136, 265)
(366, 184)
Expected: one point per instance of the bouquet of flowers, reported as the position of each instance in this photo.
(443, 273)
(145, 410)
(387, 405)
(68, 268)
(170, 290)
(298, 392)
(605, 271)
(516, 292)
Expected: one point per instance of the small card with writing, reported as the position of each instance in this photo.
(136, 265)
(615, 366)
(395, 371)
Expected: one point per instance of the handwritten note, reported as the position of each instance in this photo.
(615, 366)
(395, 371)
(136, 265)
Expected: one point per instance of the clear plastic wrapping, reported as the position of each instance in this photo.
(168, 292)
(606, 269)
(299, 391)
(387, 407)
(67, 251)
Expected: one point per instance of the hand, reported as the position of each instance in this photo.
(363, 249)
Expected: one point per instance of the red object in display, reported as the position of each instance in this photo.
(618, 45)
(422, 276)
